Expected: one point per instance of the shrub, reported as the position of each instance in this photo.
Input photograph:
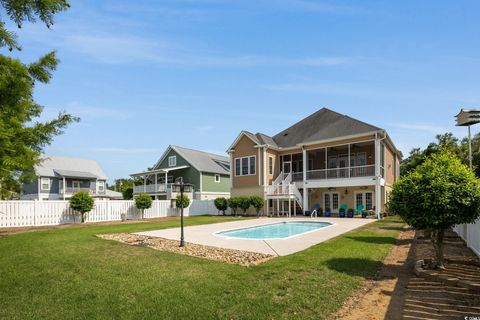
(244, 203)
(258, 203)
(351, 210)
(128, 193)
(327, 209)
(221, 204)
(438, 194)
(143, 201)
(233, 203)
(182, 201)
(82, 202)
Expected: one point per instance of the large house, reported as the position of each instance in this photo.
(327, 160)
(208, 173)
(58, 178)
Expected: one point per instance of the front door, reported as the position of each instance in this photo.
(331, 200)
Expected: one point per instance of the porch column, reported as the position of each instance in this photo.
(326, 163)
(305, 160)
(64, 187)
(166, 177)
(378, 187)
(145, 183)
(305, 199)
(278, 207)
(156, 185)
(349, 163)
(289, 207)
(378, 198)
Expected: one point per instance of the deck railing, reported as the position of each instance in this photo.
(74, 190)
(342, 173)
(151, 188)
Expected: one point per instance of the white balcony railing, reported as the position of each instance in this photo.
(342, 173)
(151, 188)
(70, 190)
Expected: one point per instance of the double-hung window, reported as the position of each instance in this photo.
(101, 186)
(270, 165)
(45, 184)
(245, 166)
(172, 161)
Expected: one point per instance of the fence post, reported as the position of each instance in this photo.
(35, 212)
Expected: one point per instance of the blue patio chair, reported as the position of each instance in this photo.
(360, 209)
(344, 207)
(315, 209)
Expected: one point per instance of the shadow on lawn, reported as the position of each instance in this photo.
(373, 239)
(354, 266)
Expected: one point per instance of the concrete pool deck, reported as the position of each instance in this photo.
(204, 234)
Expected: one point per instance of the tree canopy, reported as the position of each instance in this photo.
(436, 195)
(82, 202)
(23, 137)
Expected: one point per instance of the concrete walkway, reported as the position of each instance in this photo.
(204, 234)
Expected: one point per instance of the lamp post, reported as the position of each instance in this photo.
(179, 185)
(467, 118)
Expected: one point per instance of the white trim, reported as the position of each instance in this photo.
(259, 167)
(248, 164)
(215, 178)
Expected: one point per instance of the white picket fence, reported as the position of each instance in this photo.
(471, 234)
(43, 213)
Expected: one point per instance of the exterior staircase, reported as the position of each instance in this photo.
(284, 190)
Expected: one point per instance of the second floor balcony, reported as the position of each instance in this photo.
(355, 160)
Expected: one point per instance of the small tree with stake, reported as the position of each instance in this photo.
(221, 204)
(258, 203)
(438, 194)
(82, 202)
(143, 201)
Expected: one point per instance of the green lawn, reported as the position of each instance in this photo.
(70, 274)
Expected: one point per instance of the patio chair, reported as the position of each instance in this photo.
(360, 209)
(344, 206)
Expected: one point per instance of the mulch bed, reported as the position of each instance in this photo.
(244, 258)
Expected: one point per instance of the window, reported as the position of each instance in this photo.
(245, 166)
(237, 167)
(217, 178)
(45, 184)
(172, 161)
(270, 165)
(75, 185)
(358, 199)
(101, 186)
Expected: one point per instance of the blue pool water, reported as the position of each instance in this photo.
(275, 230)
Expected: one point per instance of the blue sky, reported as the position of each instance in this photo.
(146, 74)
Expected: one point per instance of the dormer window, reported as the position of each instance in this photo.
(172, 161)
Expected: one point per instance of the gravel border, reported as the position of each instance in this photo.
(243, 258)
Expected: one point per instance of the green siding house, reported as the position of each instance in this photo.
(208, 173)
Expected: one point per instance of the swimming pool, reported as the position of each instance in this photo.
(281, 230)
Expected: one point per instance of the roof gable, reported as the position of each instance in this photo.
(321, 125)
(200, 160)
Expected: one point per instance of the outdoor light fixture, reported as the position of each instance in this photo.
(467, 118)
(180, 186)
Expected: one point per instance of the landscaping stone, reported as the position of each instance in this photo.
(244, 258)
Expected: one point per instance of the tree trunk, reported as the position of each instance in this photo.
(83, 217)
(143, 211)
(437, 240)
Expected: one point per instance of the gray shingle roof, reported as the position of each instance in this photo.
(53, 166)
(204, 161)
(323, 124)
